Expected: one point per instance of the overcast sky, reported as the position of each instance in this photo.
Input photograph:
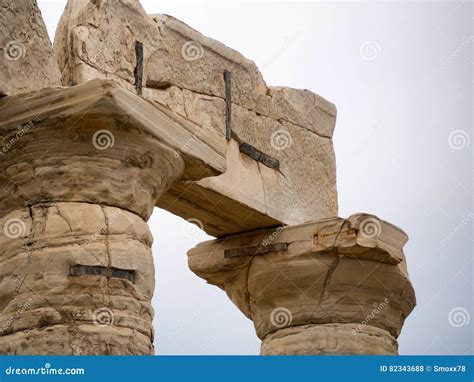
(400, 75)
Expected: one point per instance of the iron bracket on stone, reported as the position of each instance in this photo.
(138, 72)
(228, 104)
(95, 270)
(255, 250)
(253, 153)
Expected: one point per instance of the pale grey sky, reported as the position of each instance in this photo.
(400, 74)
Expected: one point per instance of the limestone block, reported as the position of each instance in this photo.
(303, 108)
(232, 202)
(27, 62)
(330, 272)
(303, 189)
(103, 108)
(195, 62)
(183, 74)
(97, 39)
(114, 148)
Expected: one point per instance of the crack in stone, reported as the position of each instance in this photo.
(329, 274)
(217, 96)
(107, 249)
(58, 211)
(29, 242)
(247, 287)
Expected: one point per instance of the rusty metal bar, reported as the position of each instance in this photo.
(94, 270)
(253, 153)
(228, 104)
(255, 250)
(138, 72)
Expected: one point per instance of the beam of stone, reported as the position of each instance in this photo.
(81, 169)
(26, 61)
(183, 73)
(334, 286)
(117, 117)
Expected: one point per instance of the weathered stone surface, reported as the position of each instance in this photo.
(303, 189)
(334, 271)
(329, 339)
(77, 340)
(302, 108)
(222, 203)
(44, 309)
(83, 167)
(96, 39)
(183, 73)
(27, 62)
(188, 51)
(106, 132)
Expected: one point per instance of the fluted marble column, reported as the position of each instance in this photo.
(77, 187)
(336, 286)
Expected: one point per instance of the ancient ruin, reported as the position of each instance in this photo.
(129, 111)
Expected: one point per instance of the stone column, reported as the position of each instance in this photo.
(77, 186)
(336, 286)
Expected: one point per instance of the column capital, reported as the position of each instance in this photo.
(330, 278)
